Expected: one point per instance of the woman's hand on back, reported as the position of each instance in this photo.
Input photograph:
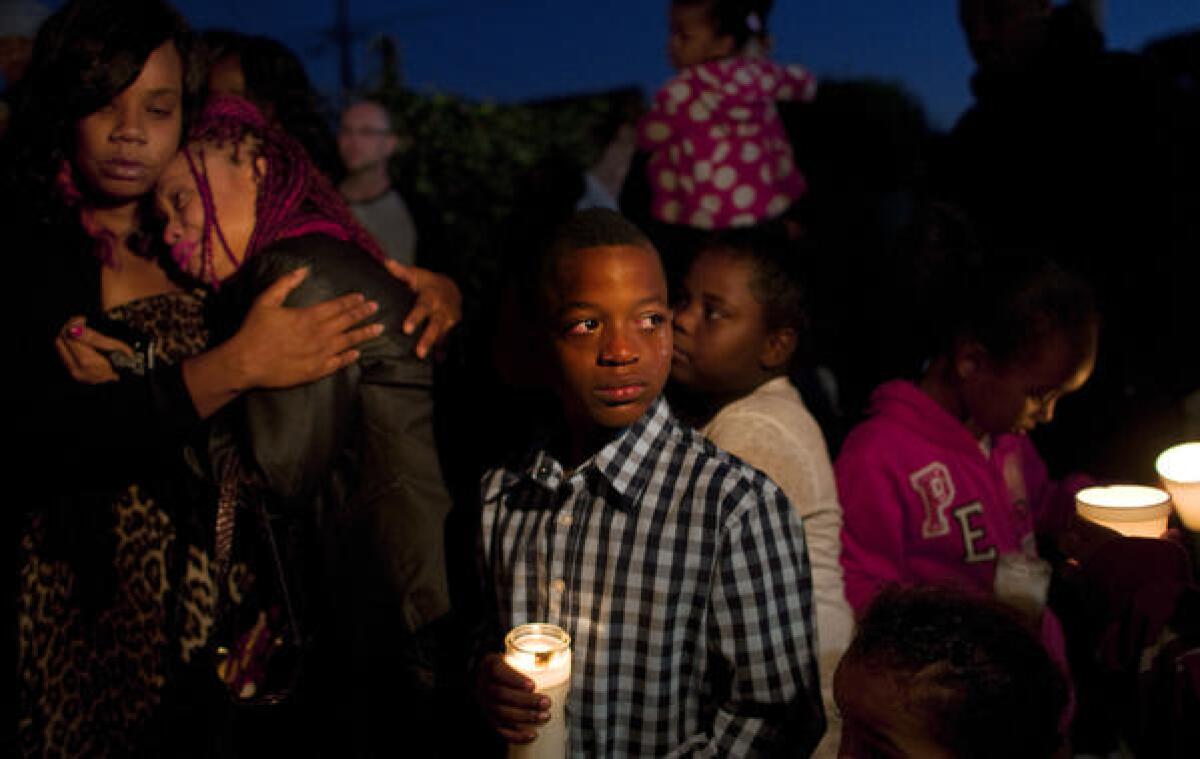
(84, 352)
(438, 304)
(278, 346)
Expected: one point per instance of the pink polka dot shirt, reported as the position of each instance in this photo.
(719, 154)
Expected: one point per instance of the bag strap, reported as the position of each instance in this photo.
(232, 478)
(227, 501)
(265, 520)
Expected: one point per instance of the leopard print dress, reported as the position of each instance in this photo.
(91, 674)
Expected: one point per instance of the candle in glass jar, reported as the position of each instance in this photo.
(1179, 468)
(542, 653)
(1135, 511)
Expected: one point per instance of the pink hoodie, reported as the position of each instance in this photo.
(923, 502)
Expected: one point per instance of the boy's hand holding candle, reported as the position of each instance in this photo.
(543, 652)
(509, 701)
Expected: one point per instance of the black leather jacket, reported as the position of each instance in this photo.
(351, 457)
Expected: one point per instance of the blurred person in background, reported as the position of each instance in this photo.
(19, 22)
(366, 143)
(1068, 146)
(267, 73)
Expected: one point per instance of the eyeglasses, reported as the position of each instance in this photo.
(364, 132)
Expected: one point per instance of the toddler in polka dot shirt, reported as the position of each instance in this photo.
(719, 154)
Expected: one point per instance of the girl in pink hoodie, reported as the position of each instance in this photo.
(941, 481)
(719, 154)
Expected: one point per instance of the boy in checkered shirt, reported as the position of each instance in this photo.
(679, 572)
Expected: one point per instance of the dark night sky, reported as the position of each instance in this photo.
(513, 49)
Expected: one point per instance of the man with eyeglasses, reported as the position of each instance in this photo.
(366, 142)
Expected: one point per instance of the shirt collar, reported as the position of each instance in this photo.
(626, 463)
(629, 461)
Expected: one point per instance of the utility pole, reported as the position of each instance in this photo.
(344, 39)
(391, 66)
(1096, 11)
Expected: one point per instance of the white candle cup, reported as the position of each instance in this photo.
(542, 653)
(1136, 511)
(1179, 469)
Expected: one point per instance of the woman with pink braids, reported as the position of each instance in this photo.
(344, 468)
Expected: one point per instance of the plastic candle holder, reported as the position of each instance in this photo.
(1179, 469)
(1136, 511)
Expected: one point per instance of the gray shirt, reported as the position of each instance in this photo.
(389, 222)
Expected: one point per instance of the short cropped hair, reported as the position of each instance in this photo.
(777, 280)
(983, 683)
(387, 114)
(591, 228)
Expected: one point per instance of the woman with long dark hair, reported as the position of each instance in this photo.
(105, 544)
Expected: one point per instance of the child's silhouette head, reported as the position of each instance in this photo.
(709, 30)
(738, 315)
(1019, 334)
(604, 301)
(936, 674)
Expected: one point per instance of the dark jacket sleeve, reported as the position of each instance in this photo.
(352, 453)
(102, 432)
(100, 436)
(295, 435)
(135, 416)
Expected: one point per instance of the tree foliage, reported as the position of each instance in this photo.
(466, 161)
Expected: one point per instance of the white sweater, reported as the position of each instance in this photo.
(771, 430)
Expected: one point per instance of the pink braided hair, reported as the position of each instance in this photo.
(294, 197)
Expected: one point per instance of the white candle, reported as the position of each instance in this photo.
(1132, 510)
(542, 653)
(1179, 468)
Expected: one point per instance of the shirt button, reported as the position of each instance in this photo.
(565, 520)
(558, 586)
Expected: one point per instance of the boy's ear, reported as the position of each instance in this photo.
(970, 357)
(778, 348)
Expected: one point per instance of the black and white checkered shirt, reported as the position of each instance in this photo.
(681, 575)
